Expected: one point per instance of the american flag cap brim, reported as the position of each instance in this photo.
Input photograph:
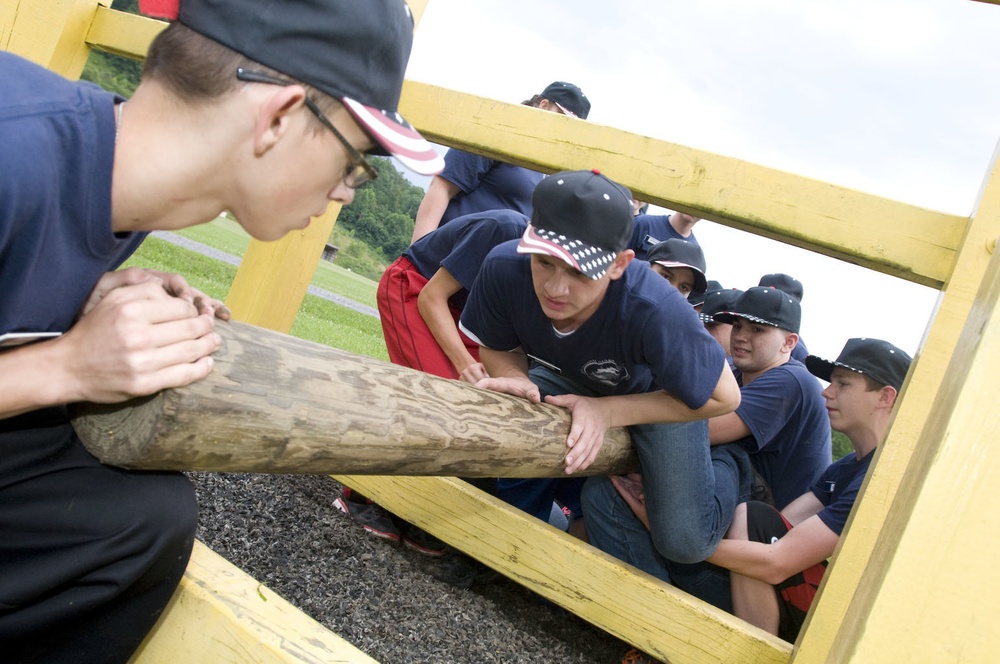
(588, 259)
(397, 138)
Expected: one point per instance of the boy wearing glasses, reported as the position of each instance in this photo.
(264, 109)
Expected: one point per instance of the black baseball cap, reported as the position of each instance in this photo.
(767, 306)
(356, 51)
(717, 301)
(698, 299)
(783, 282)
(885, 363)
(569, 98)
(580, 217)
(681, 253)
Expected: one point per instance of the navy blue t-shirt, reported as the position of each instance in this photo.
(643, 336)
(790, 430)
(652, 228)
(800, 352)
(462, 245)
(838, 488)
(487, 184)
(58, 141)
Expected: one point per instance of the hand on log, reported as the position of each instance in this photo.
(278, 404)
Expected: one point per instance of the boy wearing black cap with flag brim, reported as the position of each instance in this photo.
(615, 344)
(778, 559)
(262, 108)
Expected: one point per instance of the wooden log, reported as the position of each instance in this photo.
(278, 404)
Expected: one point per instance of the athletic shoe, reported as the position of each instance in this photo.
(423, 542)
(373, 517)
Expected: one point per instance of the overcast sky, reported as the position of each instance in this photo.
(897, 98)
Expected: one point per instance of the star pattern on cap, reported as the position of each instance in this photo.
(592, 261)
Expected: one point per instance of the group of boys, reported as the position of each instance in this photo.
(719, 410)
(550, 306)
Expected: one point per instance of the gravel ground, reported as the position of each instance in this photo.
(284, 531)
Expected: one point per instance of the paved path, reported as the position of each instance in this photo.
(181, 241)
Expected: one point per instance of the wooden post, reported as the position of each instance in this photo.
(51, 34)
(278, 404)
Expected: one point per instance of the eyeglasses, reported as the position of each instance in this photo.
(359, 171)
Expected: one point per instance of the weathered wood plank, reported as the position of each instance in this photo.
(895, 238)
(940, 535)
(926, 384)
(632, 605)
(220, 614)
(278, 404)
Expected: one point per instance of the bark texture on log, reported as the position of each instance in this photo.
(278, 404)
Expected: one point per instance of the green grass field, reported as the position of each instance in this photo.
(227, 235)
(318, 320)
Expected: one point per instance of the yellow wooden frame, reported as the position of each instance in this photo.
(924, 528)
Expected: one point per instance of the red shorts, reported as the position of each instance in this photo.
(407, 338)
(796, 593)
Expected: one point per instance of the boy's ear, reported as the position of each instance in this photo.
(791, 341)
(621, 262)
(887, 396)
(274, 115)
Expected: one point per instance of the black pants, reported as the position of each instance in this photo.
(89, 554)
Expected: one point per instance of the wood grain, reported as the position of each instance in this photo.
(278, 404)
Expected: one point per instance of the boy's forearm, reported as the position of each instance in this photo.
(504, 364)
(661, 406)
(432, 302)
(24, 388)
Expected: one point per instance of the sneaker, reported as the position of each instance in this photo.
(636, 656)
(373, 517)
(459, 570)
(423, 542)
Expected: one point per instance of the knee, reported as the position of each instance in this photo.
(687, 544)
(594, 497)
(163, 518)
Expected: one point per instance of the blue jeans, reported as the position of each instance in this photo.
(535, 496)
(691, 492)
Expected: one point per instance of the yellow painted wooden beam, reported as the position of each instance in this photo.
(273, 277)
(929, 592)
(219, 614)
(51, 33)
(892, 237)
(124, 34)
(632, 605)
(895, 238)
(925, 387)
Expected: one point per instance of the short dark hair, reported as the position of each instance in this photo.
(872, 385)
(198, 69)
